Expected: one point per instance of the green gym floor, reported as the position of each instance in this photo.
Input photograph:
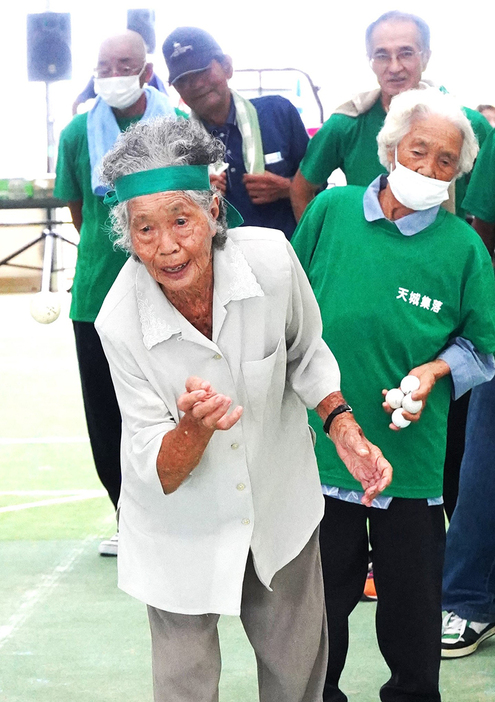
(66, 632)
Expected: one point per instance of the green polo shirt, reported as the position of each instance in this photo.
(98, 262)
(390, 303)
(349, 143)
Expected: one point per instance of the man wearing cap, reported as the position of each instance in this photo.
(398, 48)
(120, 78)
(265, 138)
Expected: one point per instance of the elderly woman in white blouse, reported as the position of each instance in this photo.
(219, 507)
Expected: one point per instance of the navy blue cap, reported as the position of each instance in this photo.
(189, 49)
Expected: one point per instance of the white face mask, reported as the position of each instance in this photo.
(416, 191)
(119, 91)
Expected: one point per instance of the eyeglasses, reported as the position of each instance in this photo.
(108, 71)
(406, 57)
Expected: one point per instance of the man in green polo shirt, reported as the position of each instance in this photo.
(398, 47)
(121, 73)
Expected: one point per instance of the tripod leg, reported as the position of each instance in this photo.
(46, 273)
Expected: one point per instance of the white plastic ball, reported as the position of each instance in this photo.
(409, 384)
(394, 398)
(410, 405)
(399, 420)
(45, 307)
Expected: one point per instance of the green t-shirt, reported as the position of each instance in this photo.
(349, 143)
(480, 196)
(389, 303)
(98, 263)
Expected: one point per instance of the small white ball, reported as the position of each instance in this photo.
(45, 307)
(409, 384)
(394, 398)
(399, 420)
(410, 405)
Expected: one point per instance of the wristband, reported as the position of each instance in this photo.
(338, 410)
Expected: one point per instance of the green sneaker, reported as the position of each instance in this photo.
(461, 637)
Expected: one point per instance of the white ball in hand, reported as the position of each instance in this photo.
(410, 405)
(399, 420)
(409, 384)
(45, 307)
(394, 398)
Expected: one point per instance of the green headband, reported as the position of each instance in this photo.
(158, 180)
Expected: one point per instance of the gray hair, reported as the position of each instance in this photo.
(413, 105)
(398, 16)
(157, 144)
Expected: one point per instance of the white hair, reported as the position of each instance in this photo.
(159, 143)
(413, 105)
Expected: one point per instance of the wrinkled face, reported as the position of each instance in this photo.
(396, 56)
(432, 147)
(206, 91)
(172, 236)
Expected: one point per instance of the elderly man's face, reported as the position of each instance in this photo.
(397, 57)
(206, 92)
(432, 147)
(172, 236)
(123, 55)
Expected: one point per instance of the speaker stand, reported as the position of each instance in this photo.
(49, 237)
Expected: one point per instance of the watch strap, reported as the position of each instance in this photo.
(335, 413)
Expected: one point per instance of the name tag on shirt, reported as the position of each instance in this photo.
(273, 158)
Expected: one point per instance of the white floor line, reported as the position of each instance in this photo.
(48, 493)
(90, 494)
(8, 441)
(47, 582)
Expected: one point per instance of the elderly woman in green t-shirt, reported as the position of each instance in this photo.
(405, 288)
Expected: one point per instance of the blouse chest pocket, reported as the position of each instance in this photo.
(265, 380)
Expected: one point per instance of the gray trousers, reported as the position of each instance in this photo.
(286, 627)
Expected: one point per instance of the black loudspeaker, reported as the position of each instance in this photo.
(143, 22)
(48, 46)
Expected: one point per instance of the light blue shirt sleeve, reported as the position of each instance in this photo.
(468, 367)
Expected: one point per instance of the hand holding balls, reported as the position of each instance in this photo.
(400, 400)
(45, 307)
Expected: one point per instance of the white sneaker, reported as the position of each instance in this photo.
(109, 547)
(461, 637)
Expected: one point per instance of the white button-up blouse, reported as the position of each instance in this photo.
(257, 484)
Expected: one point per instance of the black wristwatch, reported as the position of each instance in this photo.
(338, 410)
